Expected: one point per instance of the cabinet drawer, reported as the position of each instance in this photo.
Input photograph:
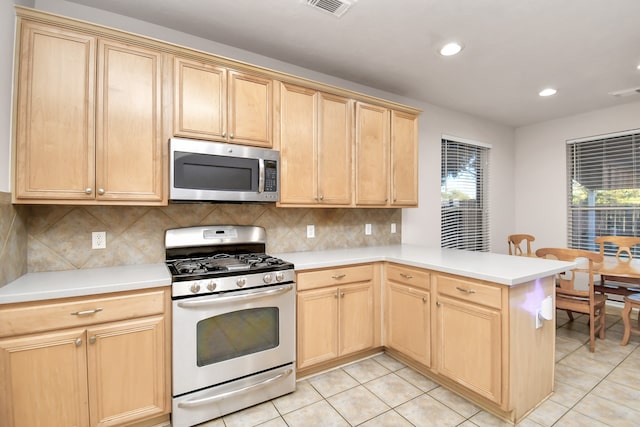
(334, 276)
(26, 318)
(470, 291)
(408, 276)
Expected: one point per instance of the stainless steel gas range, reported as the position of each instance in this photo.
(233, 321)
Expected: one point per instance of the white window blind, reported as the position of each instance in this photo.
(464, 189)
(603, 189)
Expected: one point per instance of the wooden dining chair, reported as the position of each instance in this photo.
(623, 245)
(573, 299)
(515, 241)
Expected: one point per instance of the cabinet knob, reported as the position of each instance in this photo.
(341, 294)
(224, 134)
(92, 339)
(424, 299)
(335, 295)
(321, 197)
(231, 136)
(78, 342)
(88, 190)
(101, 191)
(437, 303)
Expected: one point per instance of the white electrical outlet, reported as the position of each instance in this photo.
(367, 229)
(311, 231)
(393, 227)
(98, 240)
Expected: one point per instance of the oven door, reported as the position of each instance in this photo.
(221, 337)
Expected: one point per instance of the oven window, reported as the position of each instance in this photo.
(236, 334)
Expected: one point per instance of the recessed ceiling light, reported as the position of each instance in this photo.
(547, 92)
(450, 49)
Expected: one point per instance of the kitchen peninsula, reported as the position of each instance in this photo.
(467, 320)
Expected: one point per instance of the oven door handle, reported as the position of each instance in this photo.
(225, 299)
(210, 399)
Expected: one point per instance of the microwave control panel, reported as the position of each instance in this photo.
(270, 176)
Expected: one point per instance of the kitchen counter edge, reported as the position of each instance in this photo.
(83, 282)
(503, 269)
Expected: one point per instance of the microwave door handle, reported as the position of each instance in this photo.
(261, 178)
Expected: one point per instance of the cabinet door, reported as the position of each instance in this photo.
(55, 135)
(44, 380)
(200, 100)
(129, 160)
(298, 145)
(250, 109)
(356, 318)
(404, 159)
(469, 344)
(126, 371)
(372, 155)
(408, 322)
(334, 149)
(317, 326)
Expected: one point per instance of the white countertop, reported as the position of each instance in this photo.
(503, 269)
(73, 283)
(497, 268)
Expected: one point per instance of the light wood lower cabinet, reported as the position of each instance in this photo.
(408, 312)
(97, 374)
(335, 320)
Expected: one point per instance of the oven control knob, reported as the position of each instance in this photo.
(195, 288)
(241, 282)
(267, 278)
(211, 286)
(280, 276)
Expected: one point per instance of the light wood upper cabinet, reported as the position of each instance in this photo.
(372, 155)
(315, 147)
(215, 103)
(82, 138)
(55, 133)
(129, 126)
(386, 157)
(404, 159)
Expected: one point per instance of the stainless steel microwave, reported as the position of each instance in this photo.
(215, 171)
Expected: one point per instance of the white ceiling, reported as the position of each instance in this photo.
(513, 48)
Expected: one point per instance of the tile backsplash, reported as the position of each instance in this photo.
(59, 237)
(13, 240)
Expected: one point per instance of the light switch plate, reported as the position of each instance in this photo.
(311, 231)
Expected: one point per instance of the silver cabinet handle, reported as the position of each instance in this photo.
(338, 276)
(467, 291)
(438, 303)
(341, 294)
(101, 191)
(92, 339)
(224, 134)
(78, 342)
(406, 276)
(321, 197)
(232, 136)
(206, 400)
(88, 190)
(424, 300)
(225, 299)
(86, 312)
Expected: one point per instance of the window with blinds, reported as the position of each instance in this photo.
(603, 189)
(464, 189)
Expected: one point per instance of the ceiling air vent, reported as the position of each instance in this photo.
(335, 7)
(625, 92)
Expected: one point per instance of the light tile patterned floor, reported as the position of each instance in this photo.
(592, 389)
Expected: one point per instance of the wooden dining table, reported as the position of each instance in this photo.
(618, 276)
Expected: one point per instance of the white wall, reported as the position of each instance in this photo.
(420, 225)
(540, 177)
